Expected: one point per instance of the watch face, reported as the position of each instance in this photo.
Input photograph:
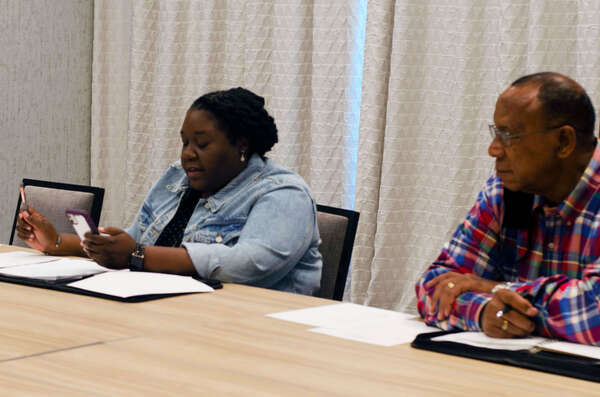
(136, 263)
(136, 260)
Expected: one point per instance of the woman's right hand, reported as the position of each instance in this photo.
(35, 230)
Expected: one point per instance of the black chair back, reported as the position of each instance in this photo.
(51, 199)
(337, 227)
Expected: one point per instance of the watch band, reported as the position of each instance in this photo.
(500, 286)
(136, 258)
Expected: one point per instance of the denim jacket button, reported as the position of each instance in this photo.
(219, 238)
(207, 205)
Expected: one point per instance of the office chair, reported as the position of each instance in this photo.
(51, 199)
(337, 227)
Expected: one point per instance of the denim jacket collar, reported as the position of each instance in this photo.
(180, 185)
(249, 174)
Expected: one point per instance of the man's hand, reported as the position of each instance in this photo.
(111, 251)
(35, 230)
(449, 285)
(515, 321)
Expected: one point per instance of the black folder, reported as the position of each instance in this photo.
(61, 285)
(540, 360)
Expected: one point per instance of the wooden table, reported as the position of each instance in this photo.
(221, 343)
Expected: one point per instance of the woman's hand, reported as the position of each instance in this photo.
(449, 285)
(111, 251)
(35, 230)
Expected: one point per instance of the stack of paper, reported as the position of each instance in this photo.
(18, 258)
(96, 278)
(479, 339)
(61, 269)
(42, 267)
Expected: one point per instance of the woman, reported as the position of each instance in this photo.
(225, 211)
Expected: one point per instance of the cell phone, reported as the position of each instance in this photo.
(81, 222)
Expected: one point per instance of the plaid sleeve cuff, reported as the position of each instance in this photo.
(468, 309)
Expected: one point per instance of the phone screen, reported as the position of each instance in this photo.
(81, 223)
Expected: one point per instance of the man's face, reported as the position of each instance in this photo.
(529, 163)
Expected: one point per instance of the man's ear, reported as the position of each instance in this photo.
(567, 140)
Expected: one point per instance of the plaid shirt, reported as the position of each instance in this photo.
(555, 263)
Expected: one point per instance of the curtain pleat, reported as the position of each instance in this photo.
(433, 70)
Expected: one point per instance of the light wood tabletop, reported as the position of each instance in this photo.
(221, 343)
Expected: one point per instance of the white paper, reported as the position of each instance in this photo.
(18, 258)
(61, 268)
(387, 332)
(572, 348)
(480, 339)
(359, 323)
(338, 314)
(128, 284)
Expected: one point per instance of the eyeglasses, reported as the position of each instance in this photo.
(506, 138)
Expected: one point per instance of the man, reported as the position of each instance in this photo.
(526, 260)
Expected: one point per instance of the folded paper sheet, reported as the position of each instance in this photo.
(125, 284)
(359, 323)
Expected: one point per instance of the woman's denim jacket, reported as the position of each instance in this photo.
(260, 229)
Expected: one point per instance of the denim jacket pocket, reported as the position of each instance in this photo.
(217, 234)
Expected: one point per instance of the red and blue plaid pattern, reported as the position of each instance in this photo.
(555, 263)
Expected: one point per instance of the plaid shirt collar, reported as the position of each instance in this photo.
(576, 201)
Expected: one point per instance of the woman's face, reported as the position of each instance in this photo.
(208, 158)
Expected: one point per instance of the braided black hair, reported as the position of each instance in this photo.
(240, 113)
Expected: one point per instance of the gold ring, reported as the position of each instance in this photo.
(451, 285)
(504, 325)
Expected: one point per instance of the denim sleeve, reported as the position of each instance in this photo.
(144, 216)
(277, 233)
(134, 230)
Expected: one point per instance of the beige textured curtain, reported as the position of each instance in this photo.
(432, 73)
(152, 59)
